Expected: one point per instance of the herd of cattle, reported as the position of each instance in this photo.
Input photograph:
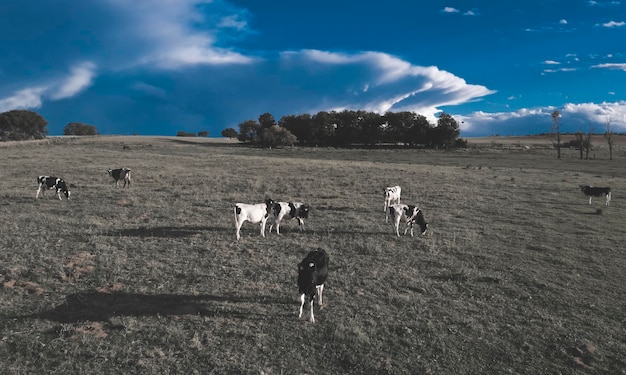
(313, 270)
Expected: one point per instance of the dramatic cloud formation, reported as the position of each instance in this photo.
(158, 66)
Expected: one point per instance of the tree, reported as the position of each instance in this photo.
(78, 128)
(419, 132)
(446, 132)
(556, 116)
(587, 143)
(203, 133)
(277, 136)
(230, 133)
(579, 142)
(267, 120)
(608, 134)
(300, 126)
(19, 125)
(323, 129)
(249, 131)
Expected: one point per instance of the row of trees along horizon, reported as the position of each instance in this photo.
(343, 128)
(349, 127)
(333, 128)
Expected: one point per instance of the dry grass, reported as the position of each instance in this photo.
(517, 274)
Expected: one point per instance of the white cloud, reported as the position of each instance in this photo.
(537, 120)
(612, 24)
(233, 21)
(450, 10)
(170, 30)
(79, 79)
(392, 83)
(620, 66)
(23, 99)
(563, 22)
(551, 62)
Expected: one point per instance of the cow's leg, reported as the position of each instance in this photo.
(301, 224)
(238, 225)
(38, 191)
(386, 212)
(608, 199)
(409, 225)
(312, 320)
(320, 289)
(59, 194)
(301, 304)
(397, 225)
(263, 221)
(590, 199)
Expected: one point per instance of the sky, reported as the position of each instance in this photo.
(156, 67)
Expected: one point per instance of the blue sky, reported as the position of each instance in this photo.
(156, 67)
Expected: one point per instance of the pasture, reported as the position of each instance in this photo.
(516, 273)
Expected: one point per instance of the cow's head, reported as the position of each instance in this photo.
(62, 186)
(415, 216)
(269, 204)
(303, 211)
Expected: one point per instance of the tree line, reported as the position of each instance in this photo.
(350, 127)
(22, 125)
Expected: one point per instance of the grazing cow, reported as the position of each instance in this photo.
(312, 273)
(294, 210)
(410, 215)
(392, 195)
(595, 191)
(120, 174)
(254, 213)
(52, 183)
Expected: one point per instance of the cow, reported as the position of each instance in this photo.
(120, 174)
(595, 191)
(254, 213)
(392, 195)
(293, 210)
(52, 183)
(410, 215)
(312, 273)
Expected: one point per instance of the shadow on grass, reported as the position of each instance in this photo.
(166, 232)
(102, 306)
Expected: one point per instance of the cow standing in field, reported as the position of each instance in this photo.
(254, 213)
(52, 183)
(595, 191)
(392, 195)
(312, 273)
(410, 215)
(293, 210)
(120, 174)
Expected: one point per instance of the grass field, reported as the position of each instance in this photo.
(516, 274)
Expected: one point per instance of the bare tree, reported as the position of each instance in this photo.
(556, 116)
(608, 134)
(587, 142)
(579, 142)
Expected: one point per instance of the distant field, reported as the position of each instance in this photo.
(517, 273)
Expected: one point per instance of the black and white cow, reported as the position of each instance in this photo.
(120, 174)
(312, 273)
(392, 195)
(293, 210)
(254, 213)
(52, 183)
(408, 214)
(595, 191)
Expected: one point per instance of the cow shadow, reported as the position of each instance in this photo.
(167, 231)
(94, 306)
